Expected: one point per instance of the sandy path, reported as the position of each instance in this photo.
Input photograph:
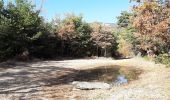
(43, 79)
(50, 80)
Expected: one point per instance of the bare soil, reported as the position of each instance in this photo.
(50, 80)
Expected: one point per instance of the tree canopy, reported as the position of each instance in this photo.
(146, 26)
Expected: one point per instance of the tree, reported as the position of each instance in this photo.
(19, 24)
(103, 39)
(75, 36)
(124, 19)
(152, 21)
(127, 42)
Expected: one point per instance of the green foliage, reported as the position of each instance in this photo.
(1, 5)
(127, 41)
(124, 19)
(164, 59)
(75, 35)
(23, 29)
(11, 38)
(20, 25)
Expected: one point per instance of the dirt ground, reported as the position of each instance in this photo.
(51, 80)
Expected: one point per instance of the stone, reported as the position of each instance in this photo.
(90, 85)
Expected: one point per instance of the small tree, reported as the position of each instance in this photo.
(103, 39)
(125, 35)
(75, 36)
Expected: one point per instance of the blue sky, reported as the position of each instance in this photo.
(92, 10)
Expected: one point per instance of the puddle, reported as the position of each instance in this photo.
(109, 74)
(121, 79)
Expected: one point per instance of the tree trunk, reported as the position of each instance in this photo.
(62, 48)
(97, 51)
(105, 52)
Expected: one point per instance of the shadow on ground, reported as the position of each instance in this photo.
(26, 80)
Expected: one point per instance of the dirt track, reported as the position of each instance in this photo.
(50, 80)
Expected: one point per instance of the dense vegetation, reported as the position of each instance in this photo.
(24, 32)
(152, 22)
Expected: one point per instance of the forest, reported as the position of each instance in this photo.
(23, 31)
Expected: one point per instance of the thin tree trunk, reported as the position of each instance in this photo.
(62, 48)
(105, 52)
(97, 51)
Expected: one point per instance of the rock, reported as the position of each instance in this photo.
(90, 85)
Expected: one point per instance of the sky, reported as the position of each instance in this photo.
(104, 11)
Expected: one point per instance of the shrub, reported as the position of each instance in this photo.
(164, 59)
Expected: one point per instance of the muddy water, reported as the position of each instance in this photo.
(109, 74)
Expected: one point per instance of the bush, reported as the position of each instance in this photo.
(19, 24)
(164, 59)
